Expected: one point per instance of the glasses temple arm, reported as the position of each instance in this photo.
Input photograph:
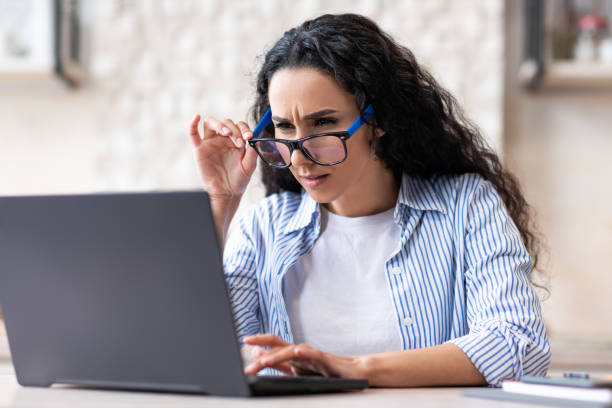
(368, 112)
(263, 123)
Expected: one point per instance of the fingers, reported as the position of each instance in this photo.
(315, 357)
(267, 339)
(194, 133)
(310, 368)
(213, 127)
(267, 361)
(289, 358)
(272, 359)
(249, 161)
(309, 361)
(236, 135)
(257, 352)
(247, 134)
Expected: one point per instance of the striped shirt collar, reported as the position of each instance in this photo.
(420, 194)
(416, 193)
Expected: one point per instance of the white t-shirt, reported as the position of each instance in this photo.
(337, 296)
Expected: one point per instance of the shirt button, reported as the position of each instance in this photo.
(407, 321)
(396, 270)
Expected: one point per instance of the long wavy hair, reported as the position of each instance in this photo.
(426, 132)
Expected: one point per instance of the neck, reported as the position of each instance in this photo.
(375, 193)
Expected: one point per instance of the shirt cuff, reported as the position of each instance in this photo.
(498, 353)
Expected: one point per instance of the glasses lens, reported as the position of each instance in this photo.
(325, 149)
(274, 153)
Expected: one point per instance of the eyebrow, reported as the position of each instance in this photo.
(314, 115)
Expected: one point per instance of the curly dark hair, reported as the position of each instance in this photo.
(368, 63)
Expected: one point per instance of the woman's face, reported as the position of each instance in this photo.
(305, 101)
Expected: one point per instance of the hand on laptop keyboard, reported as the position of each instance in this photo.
(301, 359)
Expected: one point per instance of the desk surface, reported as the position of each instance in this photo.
(13, 395)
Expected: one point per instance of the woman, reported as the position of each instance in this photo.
(397, 251)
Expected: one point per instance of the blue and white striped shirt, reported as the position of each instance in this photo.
(459, 276)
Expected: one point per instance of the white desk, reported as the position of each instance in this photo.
(13, 395)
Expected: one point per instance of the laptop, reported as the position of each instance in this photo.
(125, 291)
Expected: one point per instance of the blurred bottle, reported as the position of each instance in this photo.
(605, 50)
(592, 29)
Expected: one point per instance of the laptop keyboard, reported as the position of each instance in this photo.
(274, 384)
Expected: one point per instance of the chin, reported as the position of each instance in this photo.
(321, 197)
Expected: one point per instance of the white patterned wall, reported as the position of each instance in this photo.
(156, 63)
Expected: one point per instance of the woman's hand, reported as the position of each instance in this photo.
(225, 165)
(302, 359)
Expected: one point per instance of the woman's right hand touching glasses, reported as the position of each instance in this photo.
(225, 165)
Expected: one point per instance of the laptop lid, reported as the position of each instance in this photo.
(117, 290)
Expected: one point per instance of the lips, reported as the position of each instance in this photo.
(313, 181)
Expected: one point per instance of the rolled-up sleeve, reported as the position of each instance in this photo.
(240, 260)
(507, 337)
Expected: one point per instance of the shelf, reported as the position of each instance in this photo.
(572, 73)
(550, 35)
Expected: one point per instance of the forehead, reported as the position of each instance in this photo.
(299, 91)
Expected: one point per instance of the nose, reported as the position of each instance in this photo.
(298, 158)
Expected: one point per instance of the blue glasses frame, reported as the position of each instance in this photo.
(266, 120)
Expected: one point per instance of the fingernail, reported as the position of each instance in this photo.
(225, 131)
(240, 142)
(246, 135)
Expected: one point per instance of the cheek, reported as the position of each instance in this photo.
(358, 149)
(352, 167)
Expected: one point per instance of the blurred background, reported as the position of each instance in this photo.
(97, 96)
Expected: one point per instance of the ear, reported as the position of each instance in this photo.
(379, 132)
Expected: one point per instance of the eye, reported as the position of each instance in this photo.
(283, 125)
(324, 121)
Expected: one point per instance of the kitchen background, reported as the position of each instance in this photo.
(141, 69)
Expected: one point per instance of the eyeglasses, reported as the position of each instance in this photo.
(325, 149)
